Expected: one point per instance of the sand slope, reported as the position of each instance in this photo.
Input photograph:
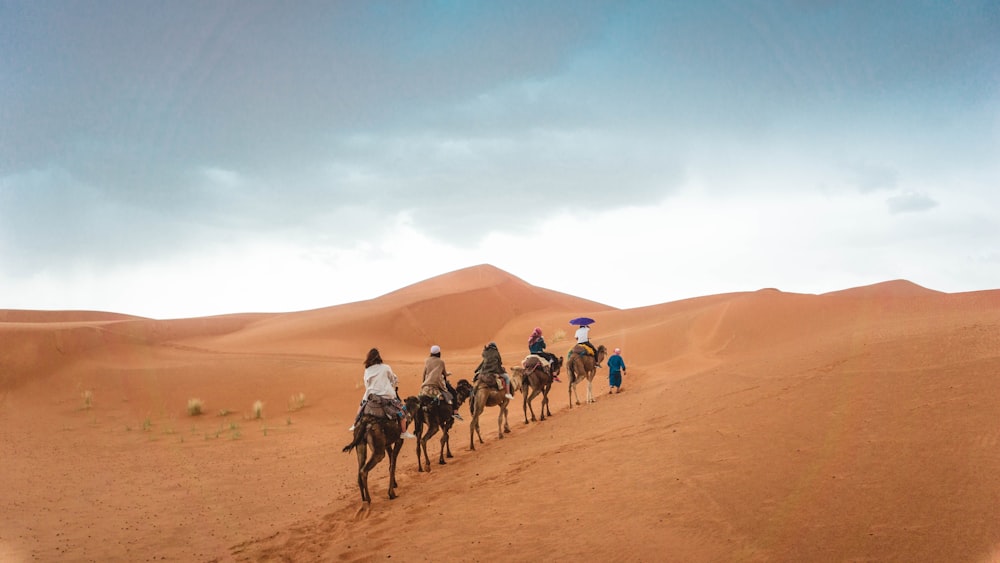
(756, 426)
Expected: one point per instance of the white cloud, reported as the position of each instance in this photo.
(910, 201)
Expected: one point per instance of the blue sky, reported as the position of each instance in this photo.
(175, 159)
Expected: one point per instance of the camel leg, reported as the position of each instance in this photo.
(444, 446)
(431, 430)
(418, 429)
(526, 404)
(446, 438)
(545, 405)
(574, 391)
(393, 454)
(362, 451)
(590, 391)
(535, 393)
(474, 431)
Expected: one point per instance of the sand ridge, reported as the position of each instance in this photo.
(754, 426)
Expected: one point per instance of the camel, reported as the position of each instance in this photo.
(579, 364)
(486, 394)
(536, 378)
(381, 434)
(436, 414)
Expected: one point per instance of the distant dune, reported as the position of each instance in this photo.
(755, 426)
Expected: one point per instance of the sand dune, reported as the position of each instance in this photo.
(756, 426)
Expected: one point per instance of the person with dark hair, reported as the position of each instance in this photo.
(536, 346)
(381, 381)
(436, 380)
(492, 363)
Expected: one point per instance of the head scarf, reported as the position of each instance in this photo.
(535, 335)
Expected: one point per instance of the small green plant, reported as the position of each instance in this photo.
(147, 425)
(258, 409)
(195, 407)
(88, 399)
(296, 402)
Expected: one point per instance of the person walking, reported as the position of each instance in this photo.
(616, 369)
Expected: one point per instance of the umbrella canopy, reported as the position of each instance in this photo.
(581, 321)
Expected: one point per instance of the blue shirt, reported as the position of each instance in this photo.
(538, 346)
(616, 364)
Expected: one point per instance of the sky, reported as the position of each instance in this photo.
(190, 158)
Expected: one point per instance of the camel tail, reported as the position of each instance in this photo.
(359, 436)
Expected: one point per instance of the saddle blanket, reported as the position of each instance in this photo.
(379, 406)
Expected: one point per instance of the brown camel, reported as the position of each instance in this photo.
(381, 434)
(537, 378)
(486, 394)
(579, 365)
(432, 415)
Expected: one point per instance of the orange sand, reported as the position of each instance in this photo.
(859, 425)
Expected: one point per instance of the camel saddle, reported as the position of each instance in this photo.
(533, 362)
(583, 350)
(490, 380)
(434, 397)
(380, 407)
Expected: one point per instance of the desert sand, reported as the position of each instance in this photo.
(858, 425)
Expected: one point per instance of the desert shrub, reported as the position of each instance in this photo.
(296, 402)
(258, 409)
(195, 407)
(559, 335)
(88, 399)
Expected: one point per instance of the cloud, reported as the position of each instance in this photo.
(910, 202)
(327, 127)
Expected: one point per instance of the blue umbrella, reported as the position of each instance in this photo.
(582, 321)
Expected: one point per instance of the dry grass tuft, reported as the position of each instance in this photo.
(88, 399)
(195, 407)
(296, 402)
(258, 409)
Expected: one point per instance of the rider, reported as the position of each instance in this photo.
(492, 363)
(436, 380)
(536, 346)
(583, 337)
(381, 381)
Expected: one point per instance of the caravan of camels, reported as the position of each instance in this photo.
(380, 425)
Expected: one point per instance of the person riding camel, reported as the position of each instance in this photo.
(436, 381)
(380, 380)
(492, 363)
(536, 346)
(583, 337)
